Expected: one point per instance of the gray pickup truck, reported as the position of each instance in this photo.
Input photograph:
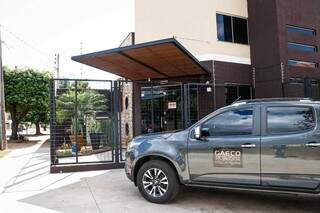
(266, 144)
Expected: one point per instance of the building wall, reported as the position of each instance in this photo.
(268, 42)
(303, 14)
(225, 73)
(265, 55)
(193, 23)
(126, 113)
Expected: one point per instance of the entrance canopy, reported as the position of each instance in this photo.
(155, 60)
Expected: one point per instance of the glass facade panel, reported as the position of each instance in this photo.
(224, 28)
(146, 110)
(161, 108)
(302, 47)
(301, 30)
(232, 29)
(302, 64)
(241, 92)
(240, 30)
(193, 104)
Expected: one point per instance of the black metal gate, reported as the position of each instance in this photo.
(85, 125)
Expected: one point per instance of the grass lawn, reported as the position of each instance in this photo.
(3, 153)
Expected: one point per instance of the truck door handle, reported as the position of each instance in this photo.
(248, 145)
(312, 144)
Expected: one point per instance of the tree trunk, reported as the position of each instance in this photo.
(14, 125)
(38, 132)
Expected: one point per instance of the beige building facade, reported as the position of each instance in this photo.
(193, 24)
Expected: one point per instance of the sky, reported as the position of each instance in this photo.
(34, 30)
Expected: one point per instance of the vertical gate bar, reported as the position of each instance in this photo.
(113, 123)
(152, 108)
(52, 123)
(185, 106)
(116, 121)
(76, 116)
(120, 88)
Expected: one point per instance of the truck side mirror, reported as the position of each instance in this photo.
(197, 132)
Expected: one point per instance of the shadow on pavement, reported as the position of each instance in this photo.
(35, 167)
(112, 192)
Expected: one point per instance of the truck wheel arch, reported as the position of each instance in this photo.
(144, 159)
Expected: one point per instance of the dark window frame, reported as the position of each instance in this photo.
(315, 48)
(230, 110)
(232, 28)
(268, 133)
(301, 30)
(316, 65)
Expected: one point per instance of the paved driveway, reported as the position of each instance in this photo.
(32, 189)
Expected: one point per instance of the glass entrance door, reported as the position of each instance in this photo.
(161, 108)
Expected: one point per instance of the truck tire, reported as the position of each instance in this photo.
(157, 181)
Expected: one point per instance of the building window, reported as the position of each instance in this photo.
(224, 28)
(240, 92)
(301, 30)
(232, 29)
(283, 120)
(302, 64)
(300, 81)
(302, 47)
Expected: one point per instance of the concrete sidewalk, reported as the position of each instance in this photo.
(29, 187)
(24, 173)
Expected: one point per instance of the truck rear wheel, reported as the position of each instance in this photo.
(157, 181)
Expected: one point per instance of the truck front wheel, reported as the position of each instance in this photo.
(157, 181)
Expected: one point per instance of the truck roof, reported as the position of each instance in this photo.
(276, 100)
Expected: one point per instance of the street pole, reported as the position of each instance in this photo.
(3, 137)
(57, 64)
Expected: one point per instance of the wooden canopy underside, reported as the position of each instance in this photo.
(153, 60)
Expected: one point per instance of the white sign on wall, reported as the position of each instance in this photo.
(172, 105)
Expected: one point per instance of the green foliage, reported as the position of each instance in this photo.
(26, 88)
(40, 115)
(82, 103)
(26, 92)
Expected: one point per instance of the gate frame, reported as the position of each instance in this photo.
(86, 166)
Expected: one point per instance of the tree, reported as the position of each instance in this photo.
(37, 117)
(88, 101)
(26, 91)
